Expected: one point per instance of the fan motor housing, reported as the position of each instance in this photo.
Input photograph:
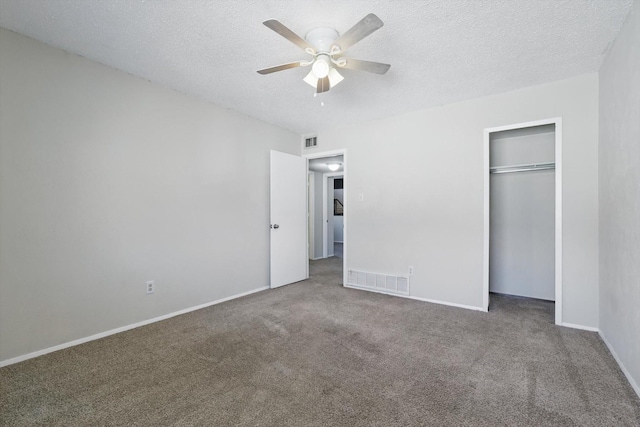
(322, 38)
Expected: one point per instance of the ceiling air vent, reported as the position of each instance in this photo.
(310, 142)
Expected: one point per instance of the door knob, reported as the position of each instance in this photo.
(275, 226)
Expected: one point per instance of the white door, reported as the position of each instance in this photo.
(288, 219)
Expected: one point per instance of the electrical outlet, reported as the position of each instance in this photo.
(151, 286)
(410, 270)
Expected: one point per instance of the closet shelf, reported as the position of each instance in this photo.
(523, 168)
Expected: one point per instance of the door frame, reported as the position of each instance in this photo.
(318, 155)
(325, 211)
(557, 121)
(310, 214)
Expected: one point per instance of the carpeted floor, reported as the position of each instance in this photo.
(317, 354)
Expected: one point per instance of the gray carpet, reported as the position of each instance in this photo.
(317, 354)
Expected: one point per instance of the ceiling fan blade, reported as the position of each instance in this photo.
(279, 68)
(279, 28)
(323, 85)
(368, 66)
(362, 29)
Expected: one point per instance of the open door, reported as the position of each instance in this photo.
(288, 219)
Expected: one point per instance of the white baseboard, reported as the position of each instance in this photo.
(584, 328)
(626, 373)
(433, 301)
(450, 304)
(24, 357)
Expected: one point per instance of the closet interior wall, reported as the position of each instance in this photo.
(522, 212)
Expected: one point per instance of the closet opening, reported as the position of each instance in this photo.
(523, 210)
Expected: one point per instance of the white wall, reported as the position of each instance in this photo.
(107, 181)
(620, 197)
(338, 220)
(338, 228)
(429, 212)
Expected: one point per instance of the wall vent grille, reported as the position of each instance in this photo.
(379, 282)
(310, 142)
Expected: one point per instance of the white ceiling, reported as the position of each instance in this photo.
(440, 51)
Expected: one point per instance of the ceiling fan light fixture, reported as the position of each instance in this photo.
(334, 78)
(321, 66)
(326, 46)
(311, 79)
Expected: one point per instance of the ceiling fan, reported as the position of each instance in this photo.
(326, 48)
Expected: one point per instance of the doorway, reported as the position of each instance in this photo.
(523, 211)
(327, 219)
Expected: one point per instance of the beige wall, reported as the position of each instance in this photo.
(620, 197)
(107, 181)
(426, 210)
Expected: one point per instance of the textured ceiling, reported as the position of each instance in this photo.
(440, 51)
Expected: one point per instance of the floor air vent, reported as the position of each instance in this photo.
(378, 282)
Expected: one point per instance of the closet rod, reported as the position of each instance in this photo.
(523, 168)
